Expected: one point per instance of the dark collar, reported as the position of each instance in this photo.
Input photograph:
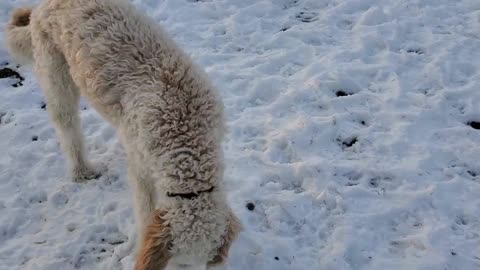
(190, 195)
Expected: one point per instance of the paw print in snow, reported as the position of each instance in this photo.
(307, 16)
(99, 244)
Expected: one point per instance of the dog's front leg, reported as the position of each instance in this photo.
(143, 202)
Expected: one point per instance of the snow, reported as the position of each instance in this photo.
(385, 176)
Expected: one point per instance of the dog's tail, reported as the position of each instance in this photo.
(18, 36)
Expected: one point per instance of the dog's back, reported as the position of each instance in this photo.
(115, 53)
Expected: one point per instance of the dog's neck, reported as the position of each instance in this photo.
(190, 195)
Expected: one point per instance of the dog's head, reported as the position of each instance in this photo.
(154, 253)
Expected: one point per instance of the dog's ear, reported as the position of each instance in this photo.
(154, 252)
(233, 229)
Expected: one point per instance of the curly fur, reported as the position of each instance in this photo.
(167, 115)
(233, 230)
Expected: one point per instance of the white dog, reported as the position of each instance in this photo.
(166, 112)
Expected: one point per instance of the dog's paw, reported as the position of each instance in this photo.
(85, 173)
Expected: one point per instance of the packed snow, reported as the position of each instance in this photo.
(352, 143)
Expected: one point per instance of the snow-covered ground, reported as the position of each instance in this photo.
(385, 176)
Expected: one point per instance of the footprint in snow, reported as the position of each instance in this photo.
(416, 50)
(37, 197)
(59, 199)
(345, 24)
(347, 142)
(99, 242)
(307, 16)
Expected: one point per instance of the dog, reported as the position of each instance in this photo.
(168, 117)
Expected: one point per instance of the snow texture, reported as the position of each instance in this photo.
(352, 141)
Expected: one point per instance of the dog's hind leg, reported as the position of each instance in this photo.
(62, 97)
